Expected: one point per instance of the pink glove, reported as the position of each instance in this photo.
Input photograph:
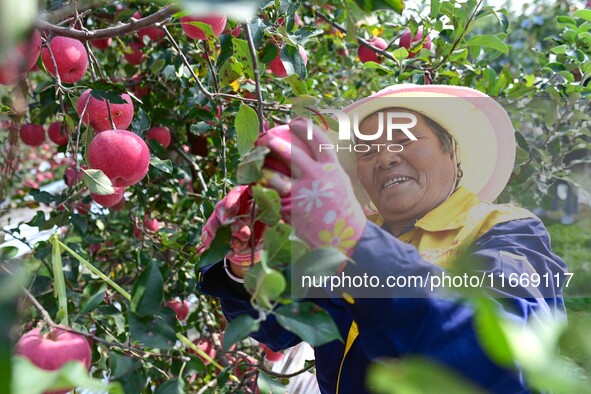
(318, 199)
(235, 210)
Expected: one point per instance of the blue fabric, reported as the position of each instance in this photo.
(438, 328)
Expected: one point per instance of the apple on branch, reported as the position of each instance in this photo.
(70, 57)
(58, 133)
(109, 200)
(181, 308)
(122, 155)
(367, 54)
(21, 60)
(32, 134)
(160, 134)
(97, 112)
(277, 67)
(217, 23)
(407, 42)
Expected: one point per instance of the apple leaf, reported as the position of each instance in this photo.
(268, 385)
(231, 71)
(247, 128)
(265, 284)
(268, 204)
(238, 329)
(155, 331)
(278, 245)
(8, 252)
(293, 61)
(92, 302)
(269, 53)
(583, 14)
(146, 296)
(163, 165)
(29, 379)
(111, 96)
(242, 54)
(489, 42)
(42, 196)
(373, 5)
(97, 182)
(219, 248)
(141, 123)
(174, 386)
(298, 87)
(309, 321)
(250, 169)
(257, 30)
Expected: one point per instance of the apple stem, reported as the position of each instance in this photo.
(59, 280)
(95, 271)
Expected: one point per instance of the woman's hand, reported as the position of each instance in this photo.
(318, 199)
(235, 210)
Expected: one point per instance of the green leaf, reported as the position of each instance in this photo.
(490, 333)
(238, 329)
(298, 87)
(219, 248)
(231, 71)
(154, 331)
(146, 297)
(97, 182)
(417, 375)
(373, 5)
(29, 379)
(268, 385)
(247, 128)
(583, 14)
(163, 165)
(157, 66)
(310, 322)
(493, 42)
(174, 386)
(293, 61)
(250, 169)
(59, 283)
(277, 244)
(434, 8)
(141, 123)
(400, 54)
(111, 96)
(265, 284)
(8, 252)
(94, 301)
(268, 203)
(242, 54)
(42, 197)
(257, 29)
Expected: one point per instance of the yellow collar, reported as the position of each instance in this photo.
(450, 214)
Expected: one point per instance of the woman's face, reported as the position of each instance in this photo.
(405, 186)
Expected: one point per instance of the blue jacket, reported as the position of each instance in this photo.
(503, 239)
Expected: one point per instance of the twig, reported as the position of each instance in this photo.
(257, 77)
(119, 30)
(195, 167)
(288, 375)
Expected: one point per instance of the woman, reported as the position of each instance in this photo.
(430, 203)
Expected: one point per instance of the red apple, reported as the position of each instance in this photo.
(21, 60)
(137, 233)
(160, 134)
(70, 56)
(216, 22)
(32, 134)
(134, 55)
(284, 132)
(138, 90)
(277, 67)
(109, 200)
(97, 112)
(181, 308)
(366, 54)
(58, 133)
(207, 346)
(121, 155)
(154, 33)
(71, 177)
(151, 224)
(52, 350)
(101, 43)
(242, 365)
(406, 42)
(119, 206)
(270, 355)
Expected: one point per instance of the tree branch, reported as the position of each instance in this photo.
(119, 30)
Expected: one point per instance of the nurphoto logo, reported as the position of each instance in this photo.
(387, 121)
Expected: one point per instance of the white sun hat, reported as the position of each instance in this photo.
(481, 127)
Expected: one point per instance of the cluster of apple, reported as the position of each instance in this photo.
(407, 40)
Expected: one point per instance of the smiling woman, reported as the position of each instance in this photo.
(426, 213)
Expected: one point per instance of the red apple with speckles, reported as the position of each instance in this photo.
(277, 67)
(32, 134)
(101, 43)
(58, 133)
(160, 134)
(208, 348)
(71, 177)
(151, 224)
(52, 350)
(70, 56)
(182, 308)
(406, 42)
(366, 54)
(97, 112)
(121, 155)
(216, 22)
(21, 60)
(109, 200)
(134, 54)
